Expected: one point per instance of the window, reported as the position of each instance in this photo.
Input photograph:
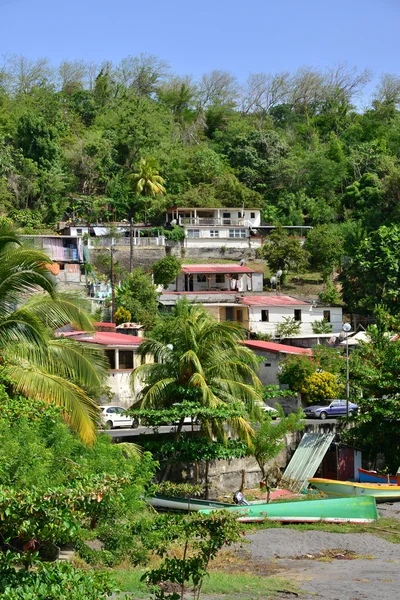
(267, 364)
(111, 358)
(226, 215)
(201, 279)
(220, 278)
(125, 359)
(193, 233)
(239, 316)
(327, 316)
(252, 215)
(79, 232)
(265, 316)
(237, 233)
(297, 314)
(229, 315)
(214, 233)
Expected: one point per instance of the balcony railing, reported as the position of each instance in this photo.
(203, 221)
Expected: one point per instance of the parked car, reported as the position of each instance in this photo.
(268, 409)
(335, 408)
(116, 416)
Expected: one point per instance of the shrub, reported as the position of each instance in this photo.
(320, 386)
(166, 270)
(321, 326)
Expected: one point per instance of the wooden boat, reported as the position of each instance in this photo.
(185, 504)
(374, 477)
(380, 491)
(337, 510)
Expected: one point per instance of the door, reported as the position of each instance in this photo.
(122, 420)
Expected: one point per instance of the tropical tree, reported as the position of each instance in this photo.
(39, 365)
(147, 183)
(201, 360)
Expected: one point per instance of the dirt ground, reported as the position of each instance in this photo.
(358, 566)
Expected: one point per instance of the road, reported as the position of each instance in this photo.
(124, 433)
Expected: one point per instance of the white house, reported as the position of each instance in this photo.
(271, 354)
(121, 351)
(267, 311)
(216, 227)
(212, 277)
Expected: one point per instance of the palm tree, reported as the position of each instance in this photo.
(197, 357)
(39, 365)
(147, 182)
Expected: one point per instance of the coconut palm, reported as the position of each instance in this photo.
(147, 182)
(198, 358)
(38, 364)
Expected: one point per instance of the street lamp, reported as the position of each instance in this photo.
(346, 327)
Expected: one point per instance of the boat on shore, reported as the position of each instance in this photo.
(381, 492)
(374, 477)
(161, 502)
(334, 510)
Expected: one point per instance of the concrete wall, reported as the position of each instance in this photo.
(225, 476)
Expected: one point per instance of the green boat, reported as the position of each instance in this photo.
(335, 510)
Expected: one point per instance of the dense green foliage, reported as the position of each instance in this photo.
(54, 490)
(137, 294)
(73, 138)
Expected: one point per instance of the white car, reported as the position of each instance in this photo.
(268, 409)
(115, 416)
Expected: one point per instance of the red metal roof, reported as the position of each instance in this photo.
(105, 338)
(217, 269)
(276, 348)
(104, 324)
(271, 301)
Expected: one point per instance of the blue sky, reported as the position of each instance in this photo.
(196, 36)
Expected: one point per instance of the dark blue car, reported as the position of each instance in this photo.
(335, 408)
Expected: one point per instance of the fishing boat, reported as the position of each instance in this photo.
(184, 504)
(374, 477)
(381, 492)
(334, 510)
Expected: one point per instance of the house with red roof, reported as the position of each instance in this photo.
(216, 278)
(265, 312)
(121, 352)
(270, 355)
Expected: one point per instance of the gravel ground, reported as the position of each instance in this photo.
(374, 578)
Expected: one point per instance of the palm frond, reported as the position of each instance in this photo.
(61, 310)
(82, 411)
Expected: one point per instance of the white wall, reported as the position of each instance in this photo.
(276, 315)
(218, 243)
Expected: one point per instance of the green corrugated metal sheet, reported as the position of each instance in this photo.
(306, 460)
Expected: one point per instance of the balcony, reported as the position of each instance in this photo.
(211, 222)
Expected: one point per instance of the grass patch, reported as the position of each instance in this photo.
(128, 580)
(245, 586)
(238, 584)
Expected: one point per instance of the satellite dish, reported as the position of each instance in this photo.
(279, 273)
(173, 222)
(273, 280)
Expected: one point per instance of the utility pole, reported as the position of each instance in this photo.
(113, 307)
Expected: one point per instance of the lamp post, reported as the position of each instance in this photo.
(346, 327)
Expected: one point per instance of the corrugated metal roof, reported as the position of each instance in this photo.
(276, 348)
(224, 269)
(306, 460)
(272, 301)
